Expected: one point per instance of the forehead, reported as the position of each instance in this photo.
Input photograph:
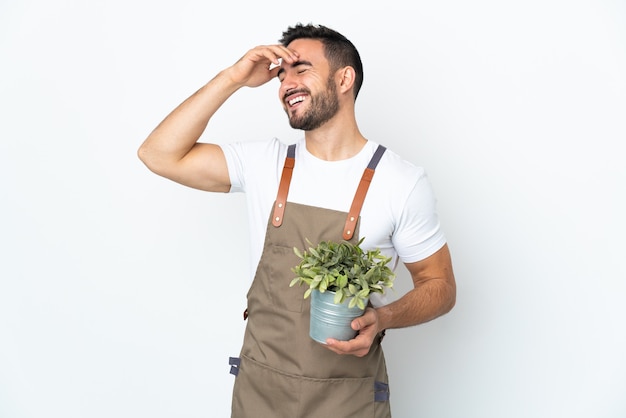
(311, 50)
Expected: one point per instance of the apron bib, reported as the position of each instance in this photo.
(281, 371)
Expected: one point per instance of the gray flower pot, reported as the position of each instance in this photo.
(331, 320)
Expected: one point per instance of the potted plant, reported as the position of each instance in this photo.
(341, 276)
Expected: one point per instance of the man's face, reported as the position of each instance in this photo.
(307, 89)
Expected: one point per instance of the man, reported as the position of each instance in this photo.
(307, 191)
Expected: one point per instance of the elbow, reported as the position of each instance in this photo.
(143, 154)
(148, 158)
(451, 301)
(451, 298)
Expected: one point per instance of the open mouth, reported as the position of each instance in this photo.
(295, 100)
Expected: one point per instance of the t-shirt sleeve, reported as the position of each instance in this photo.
(253, 165)
(235, 155)
(418, 233)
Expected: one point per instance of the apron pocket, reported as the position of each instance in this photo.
(263, 392)
(345, 398)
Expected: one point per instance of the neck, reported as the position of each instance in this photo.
(335, 140)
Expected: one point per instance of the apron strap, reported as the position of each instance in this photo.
(361, 191)
(283, 188)
(357, 202)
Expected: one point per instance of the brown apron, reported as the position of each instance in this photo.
(281, 371)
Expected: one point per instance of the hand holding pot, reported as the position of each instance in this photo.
(367, 326)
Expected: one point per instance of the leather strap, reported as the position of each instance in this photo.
(283, 188)
(361, 192)
(357, 202)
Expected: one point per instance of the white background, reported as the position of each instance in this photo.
(121, 293)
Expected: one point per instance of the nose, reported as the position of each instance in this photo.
(287, 84)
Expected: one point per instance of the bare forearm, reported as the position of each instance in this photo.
(177, 134)
(424, 303)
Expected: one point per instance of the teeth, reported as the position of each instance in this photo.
(296, 100)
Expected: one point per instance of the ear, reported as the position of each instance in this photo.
(345, 79)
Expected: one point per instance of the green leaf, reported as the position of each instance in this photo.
(294, 281)
(342, 281)
(338, 297)
(311, 273)
(352, 289)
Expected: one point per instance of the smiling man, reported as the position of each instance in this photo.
(368, 192)
(322, 106)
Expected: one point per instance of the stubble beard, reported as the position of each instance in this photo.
(322, 108)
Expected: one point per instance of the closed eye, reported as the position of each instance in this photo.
(300, 66)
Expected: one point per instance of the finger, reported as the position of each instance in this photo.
(340, 349)
(333, 349)
(274, 71)
(277, 52)
(353, 346)
(367, 319)
(358, 352)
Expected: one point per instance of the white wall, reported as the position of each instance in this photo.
(109, 275)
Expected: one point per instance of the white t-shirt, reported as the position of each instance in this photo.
(398, 216)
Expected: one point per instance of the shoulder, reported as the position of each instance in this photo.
(403, 185)
(394, 169)
(260, 148)
(249, 161)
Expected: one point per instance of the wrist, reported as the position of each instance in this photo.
(384, 318)
(227, 80)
